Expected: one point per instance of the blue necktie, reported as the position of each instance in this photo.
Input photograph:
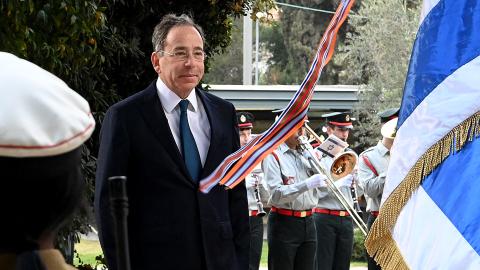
(189, 147)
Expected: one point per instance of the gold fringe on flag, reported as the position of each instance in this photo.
(380, 243)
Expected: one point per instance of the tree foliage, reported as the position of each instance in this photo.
(288, 41)
(294, 40)
(72, 40)
(376, 55)
(227, 67)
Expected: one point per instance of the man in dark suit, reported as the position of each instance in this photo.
(165, 139)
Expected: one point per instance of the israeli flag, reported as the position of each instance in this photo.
(439, 225)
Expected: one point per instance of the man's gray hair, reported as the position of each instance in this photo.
(166, 24)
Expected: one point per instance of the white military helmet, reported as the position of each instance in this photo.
(389, 129)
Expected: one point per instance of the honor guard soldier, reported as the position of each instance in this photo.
(43, 124)
(333, 223)
(372, 169)
(256, 193)
(292, 186)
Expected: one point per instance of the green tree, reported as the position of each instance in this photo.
(273, 43)
(376, 55)
(294, 39)
(227, 67)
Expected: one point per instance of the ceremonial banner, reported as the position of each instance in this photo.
(430, 213)
(235, 167)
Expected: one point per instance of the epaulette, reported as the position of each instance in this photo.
(368, 150)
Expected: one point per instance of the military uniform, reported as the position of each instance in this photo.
(256, 192)
(334, 226)
(372, 171)
(333, 223)
(291, 229)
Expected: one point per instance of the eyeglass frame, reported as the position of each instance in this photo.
(175, 55)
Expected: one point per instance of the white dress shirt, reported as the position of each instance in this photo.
(197, 118)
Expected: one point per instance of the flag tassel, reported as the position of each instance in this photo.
(379, 242)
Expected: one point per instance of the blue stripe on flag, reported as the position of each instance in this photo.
(455, 187)
(448, 38)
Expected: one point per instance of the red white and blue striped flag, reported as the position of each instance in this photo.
(430, 217)
(236, 166)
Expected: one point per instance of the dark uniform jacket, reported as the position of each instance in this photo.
(172, 225)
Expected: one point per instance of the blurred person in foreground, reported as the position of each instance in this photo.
(43, 124)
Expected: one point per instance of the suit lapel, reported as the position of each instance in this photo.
(216, 133)
(154, 115)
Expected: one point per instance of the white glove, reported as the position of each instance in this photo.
(250, 181)
(345, 181)
(316, 181)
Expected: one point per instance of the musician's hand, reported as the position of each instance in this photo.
(345, 181)
(250, 181)
(316, 181)
(355, 178)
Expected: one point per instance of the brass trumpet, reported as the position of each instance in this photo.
(343, 164)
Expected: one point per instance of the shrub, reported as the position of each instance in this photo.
(359, 253)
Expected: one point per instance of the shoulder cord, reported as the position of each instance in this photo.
(369, 165)
(284, 178)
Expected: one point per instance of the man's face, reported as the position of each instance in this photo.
(292, 141)
(340, 132)
(180, 75)
(245, 136)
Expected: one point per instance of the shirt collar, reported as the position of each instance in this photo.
(283, 148)
(170, 100)
(382, 149)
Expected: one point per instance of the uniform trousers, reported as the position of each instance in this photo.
(372, 265)
(334, 241)
(256, 242)
(291, 242)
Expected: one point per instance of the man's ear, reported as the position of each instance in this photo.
(329, 130)
(155, 62)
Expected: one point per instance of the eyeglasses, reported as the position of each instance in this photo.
(182, 55)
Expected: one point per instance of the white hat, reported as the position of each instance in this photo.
(389, 129)
(39, 114)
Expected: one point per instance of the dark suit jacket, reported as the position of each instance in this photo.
(171, 224)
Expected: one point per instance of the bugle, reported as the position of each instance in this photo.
(343, 164)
